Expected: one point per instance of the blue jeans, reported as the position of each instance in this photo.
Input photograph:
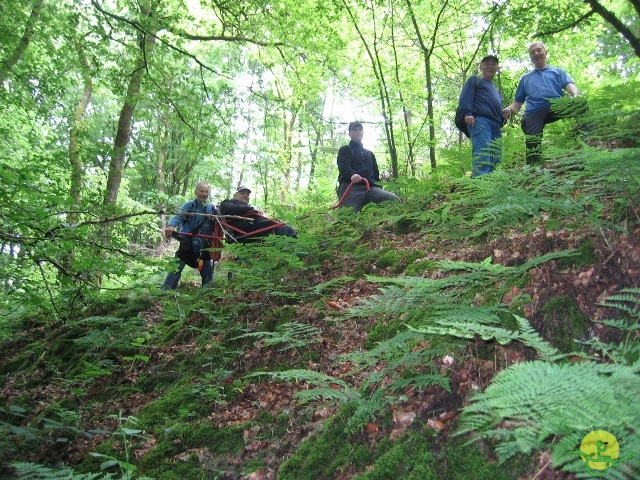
(171, 282)
(486, 142)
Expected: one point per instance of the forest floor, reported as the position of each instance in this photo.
(268, 420)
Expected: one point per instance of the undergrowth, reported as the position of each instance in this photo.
(190, 351)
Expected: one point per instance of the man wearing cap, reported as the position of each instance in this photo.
(482, 106)
(238, 205)
(356, 164)
(535, 88)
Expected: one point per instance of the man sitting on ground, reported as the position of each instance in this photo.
(239, 205)
(357, 164)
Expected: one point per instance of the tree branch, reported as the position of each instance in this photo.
(565, 27)
(616, 23)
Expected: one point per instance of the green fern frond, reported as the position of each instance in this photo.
(528, 336)
(321, 288)
(386, 351)
(298, 375)
(33, 471)
(328, 387)
(535, 405)
(525, 334)
(627, 301)
(292, 334)
(338, 396)
(95, 338)
(628, 350)
(420, 382)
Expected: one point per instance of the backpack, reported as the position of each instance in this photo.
(459, 118)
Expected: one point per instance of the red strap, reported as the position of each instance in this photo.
(346, 192)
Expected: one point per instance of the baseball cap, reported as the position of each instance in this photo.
(243, 188)
(489, 57)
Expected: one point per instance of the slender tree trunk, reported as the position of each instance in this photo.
(162, 156)
(146, 43)
(406, 113)
(427, 51)
(77, 129)
(15, 56)
(382, 91)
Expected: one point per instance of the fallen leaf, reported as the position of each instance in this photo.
(404, 418)
(371, 428)
(435, 424)
(258, 475)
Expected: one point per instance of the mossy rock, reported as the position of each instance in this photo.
(324, 454)
(563, 322)
(473, 461)
(585, 255)
(199, 447)
(167, 410)
(418, 268)
(408, 458)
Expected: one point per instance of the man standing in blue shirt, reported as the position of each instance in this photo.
(482, 106)
(537, 88)
(193, 216)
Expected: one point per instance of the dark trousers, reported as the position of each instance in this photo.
(206, 273)
(532, 125)
(359, 196)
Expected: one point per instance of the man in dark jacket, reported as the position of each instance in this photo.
(355, 164)
(239, 205)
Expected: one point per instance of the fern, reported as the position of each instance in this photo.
(292, 334)
(321, 288)
(400, 362)
(415, 295)
(32, 471)
(392, 359)
(538, 405)
(95, 339)
(525, 334)
(298, 375)
(327, 387)
(547, 405)
(628, 350)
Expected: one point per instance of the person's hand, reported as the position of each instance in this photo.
(470, 120)
(355, 178)
(168, 231)
(506, 113)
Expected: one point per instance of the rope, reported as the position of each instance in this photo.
(346, 192)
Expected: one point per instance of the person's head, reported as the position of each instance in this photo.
(242, 194)
(538, 54)
(356, 131)
(202, 191)
(489, 66)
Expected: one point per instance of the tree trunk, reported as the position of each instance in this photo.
(123, 133)
(15, 56)
(77, 129)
